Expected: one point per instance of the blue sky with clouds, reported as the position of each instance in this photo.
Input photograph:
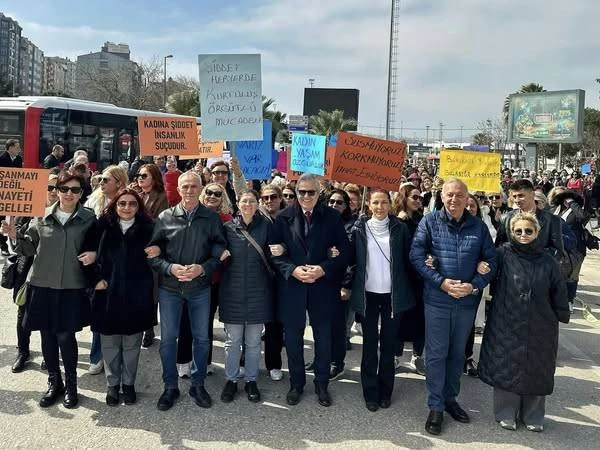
(458, 58)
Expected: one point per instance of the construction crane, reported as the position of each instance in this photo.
(392, 69)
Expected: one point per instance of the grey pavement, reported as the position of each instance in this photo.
(573, 411)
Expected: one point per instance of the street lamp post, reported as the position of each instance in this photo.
(165, 80)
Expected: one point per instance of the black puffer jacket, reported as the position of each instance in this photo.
(246, 287)
(529, 298)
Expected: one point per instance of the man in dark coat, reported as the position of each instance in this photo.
(458, 242)
(309, 281)
(10, 158)
(55, 157)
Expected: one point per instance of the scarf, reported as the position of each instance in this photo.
(379, 228)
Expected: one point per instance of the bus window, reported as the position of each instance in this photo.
(11, 127)
(53, 130)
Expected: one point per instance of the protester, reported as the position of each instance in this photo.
(408, 207)
(54, 158)
(9, 158)
(161, 163)
(57, 303)
(309, 281)
(123, 302)
(451, 295)
(380, 291)
(245, 302)
(289, 195)
(170, 178)
(191, 240)
(354, 193)
(23, 264)
(219, 171)
(518, 354)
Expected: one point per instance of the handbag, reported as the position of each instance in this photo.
(9, 272)
(591, 241)
(21, 297)
(258, 248)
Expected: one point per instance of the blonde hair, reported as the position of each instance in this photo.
(225, 207)
(554, 192)
(97, 199)
(527, 216)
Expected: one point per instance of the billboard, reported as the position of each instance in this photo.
(548, 117)
(316, 99)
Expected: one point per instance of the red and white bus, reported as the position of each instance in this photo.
(108, 133)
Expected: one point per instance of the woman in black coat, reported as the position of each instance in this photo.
(245, 301)
(518, 354)
(380, 290)
(123, 302)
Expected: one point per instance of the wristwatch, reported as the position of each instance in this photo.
(475, 291)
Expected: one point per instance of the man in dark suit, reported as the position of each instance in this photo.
(10, 158)
(310, 281)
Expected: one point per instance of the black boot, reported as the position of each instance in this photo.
(20, 361)
(71, 399)
(55, 388)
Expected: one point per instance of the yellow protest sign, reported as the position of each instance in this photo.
(479, 170)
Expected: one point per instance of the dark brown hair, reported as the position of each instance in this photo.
(64, 177)
(110, 213)
(158, 183)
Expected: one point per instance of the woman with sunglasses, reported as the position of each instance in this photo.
(57, 303)
(114, 179)
(23, 264)
(409, 208)
(219, 173)
(123, 301)
(289, 195)
(518, 354)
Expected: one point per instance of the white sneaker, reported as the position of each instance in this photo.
(357, 328)
(571, 307)
(97, 368)
(210, 369)
(276, 374)
(184, 370)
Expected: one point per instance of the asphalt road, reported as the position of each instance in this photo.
(573, 411)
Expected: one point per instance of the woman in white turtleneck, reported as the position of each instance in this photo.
(380, 290)
(123, 303)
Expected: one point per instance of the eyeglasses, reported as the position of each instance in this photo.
(269, 197)
(51, 188)
(303, 193)
(336, 202)
(521, 231)
(495, 197)
(104, 180)
(143, 176)
(219, 172)
(289, 196)
(216, 194)
(73, 189)
(125, 204)
(416, 198)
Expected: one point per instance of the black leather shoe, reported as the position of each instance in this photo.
(385, 403)
(471, 368)
(71, 398)
(457, 413)
(55, 389)
(19, 364)
(336, 371)
(167, 399)
(148, 339)
(293, 396)
(201, 397)
(228, 392)
(434, 422)
(323, 395)
(43, 365)
(372, 406)
(309, 366)
(252, 390)
(129, 394)
(112, 396)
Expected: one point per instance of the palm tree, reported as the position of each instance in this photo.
(185, 103)
(526, 88)
(328, 123)
(279, 131)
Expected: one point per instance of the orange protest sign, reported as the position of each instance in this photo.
(23, 192)
(164, 135)
(291, 175)
(329, 157)
(368, 161)
(209, 149)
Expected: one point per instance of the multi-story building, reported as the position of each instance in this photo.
(10, 48)
(59, 75)
(31, 69)
(108, 75)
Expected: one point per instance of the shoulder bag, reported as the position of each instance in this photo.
(260, 252)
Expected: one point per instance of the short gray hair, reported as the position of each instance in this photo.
(458, 181)
(190, 174)
(309, 178)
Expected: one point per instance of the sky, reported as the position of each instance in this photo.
(457, 59)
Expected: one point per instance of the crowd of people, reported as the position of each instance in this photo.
(432, 264)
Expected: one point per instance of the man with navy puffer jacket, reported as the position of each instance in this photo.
(458, 242)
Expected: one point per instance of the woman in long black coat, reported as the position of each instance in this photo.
(123, 302)
(518, 354)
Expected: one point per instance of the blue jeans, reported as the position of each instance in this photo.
(170, 304)
(96, 349)
(446, 332)
(235, 336)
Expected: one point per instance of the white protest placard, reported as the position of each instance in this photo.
(231, 97)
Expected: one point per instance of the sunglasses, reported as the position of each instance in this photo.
(51, 188)
(269, 197)
(303, 193)
(416, 198)
(336, 202)
(289, 196)
(143, 176)
(219, 172)
(125, 204)
(495, 197)
(216, 194)
(104, 180)
(73, 189)
(521, 231)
